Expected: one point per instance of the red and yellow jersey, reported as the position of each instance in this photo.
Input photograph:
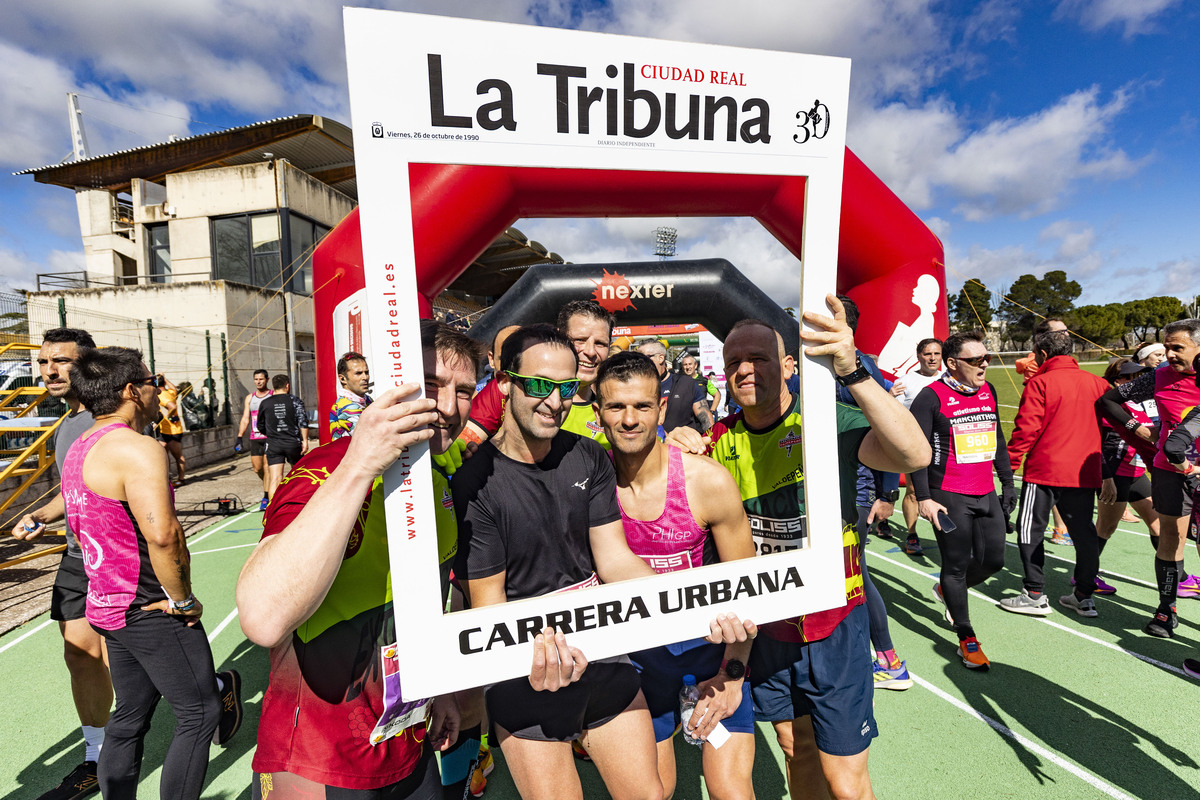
(768, 466)
(325, 692)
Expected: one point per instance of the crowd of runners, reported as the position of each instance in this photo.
(574, 464)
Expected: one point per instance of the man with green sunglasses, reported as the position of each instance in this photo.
(537, 514)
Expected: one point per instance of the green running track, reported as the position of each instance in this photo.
(1072, 707)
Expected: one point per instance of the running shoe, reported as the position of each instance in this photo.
(937, 595)
(1084, 607)
(1163, 625)
(231, 707)
(483, 768)
(80, 782)
(262, 504)
(579, 751)
(972, 654)
(1104, 588)
(895, 679)
(884, 530)
(1024, 603)
(1190, 587)
(1191, 666)
(912, 545)
(1060, 536)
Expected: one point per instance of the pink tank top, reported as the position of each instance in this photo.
(115, 556)
(1176, 394)
(673, 541)
(255, 402)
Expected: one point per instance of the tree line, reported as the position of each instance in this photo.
(1053, 295)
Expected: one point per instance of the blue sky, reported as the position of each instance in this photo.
(1048, 134)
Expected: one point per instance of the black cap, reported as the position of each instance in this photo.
(1131, 368)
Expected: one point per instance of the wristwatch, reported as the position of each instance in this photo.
(187, 604)
(859, 375)
(733, 668)
(889, 497)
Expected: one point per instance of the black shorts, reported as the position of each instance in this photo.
(1131, 489)
(278, 453)
(605, 690)
(171, 437)
(258, 447)
(1172, 492)
(68, 598)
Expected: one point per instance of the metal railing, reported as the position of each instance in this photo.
(34, 450)
(80, 279)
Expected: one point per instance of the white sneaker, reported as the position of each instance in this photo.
(1024, 604)
(1084, 608)
(937, 595)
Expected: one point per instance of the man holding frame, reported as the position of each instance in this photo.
(537, 513)
(317, 592)
(810, 676)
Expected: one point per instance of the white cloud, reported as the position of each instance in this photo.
(18, 270)
(1024, 165)
(1175, 277)
(36, 130)
(1135, 16)
(1071, 246)
(897, 45)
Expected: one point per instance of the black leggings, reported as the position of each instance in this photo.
(1076, 507)
(973, 552)
(157, 656)
(881, 637)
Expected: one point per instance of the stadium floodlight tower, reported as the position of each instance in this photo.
(664, 242)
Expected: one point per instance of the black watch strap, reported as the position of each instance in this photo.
(859, 375)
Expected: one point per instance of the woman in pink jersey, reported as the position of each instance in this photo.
(120, 504)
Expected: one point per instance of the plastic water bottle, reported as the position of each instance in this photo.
(688, 696)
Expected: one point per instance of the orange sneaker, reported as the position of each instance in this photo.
(972, 654)
(483, 768)
(579, 751)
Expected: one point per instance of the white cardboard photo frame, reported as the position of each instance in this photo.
(488, 78)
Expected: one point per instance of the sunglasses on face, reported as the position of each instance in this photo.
(542, 387)
(152, 380)
(977, 361)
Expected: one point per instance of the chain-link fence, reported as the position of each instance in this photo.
(191, 359)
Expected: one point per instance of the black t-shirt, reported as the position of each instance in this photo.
(280, 418)
(531, 521)
(681, 392)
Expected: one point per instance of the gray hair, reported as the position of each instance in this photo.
(652, 347)
(1189, 326)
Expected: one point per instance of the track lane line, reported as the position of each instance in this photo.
(1108, 572)
(25, 636)
(1089, 778)
(230, 617)
(222, 549)
(222, 526)
(1140, 657)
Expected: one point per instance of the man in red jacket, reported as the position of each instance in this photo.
(1057, 431)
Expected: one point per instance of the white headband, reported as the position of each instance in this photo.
(1150, 349)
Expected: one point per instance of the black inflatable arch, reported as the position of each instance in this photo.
(709, 291)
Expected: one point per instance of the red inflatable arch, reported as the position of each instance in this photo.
(458, 210)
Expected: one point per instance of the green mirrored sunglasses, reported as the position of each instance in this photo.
(542, 387)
